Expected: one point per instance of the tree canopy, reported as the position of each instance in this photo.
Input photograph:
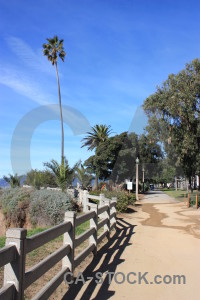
(173, 112)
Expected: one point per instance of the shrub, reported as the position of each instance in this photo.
(123, 198)
(48, 208)
(40, 179)
(14, 204)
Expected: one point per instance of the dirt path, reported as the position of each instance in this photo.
(161, 237)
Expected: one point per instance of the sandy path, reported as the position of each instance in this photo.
(161, 237)
(167, 241)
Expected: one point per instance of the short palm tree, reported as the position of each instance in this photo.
(52, 50)
(14, 181)
(83, 176)
(62, 180)
(98, 134)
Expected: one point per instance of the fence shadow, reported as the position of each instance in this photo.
(111, 252)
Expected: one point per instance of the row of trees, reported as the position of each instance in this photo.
(114, 159)
(169, 147)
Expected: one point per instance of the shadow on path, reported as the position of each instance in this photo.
(111, 253)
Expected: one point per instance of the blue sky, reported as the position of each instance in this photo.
(117, 52)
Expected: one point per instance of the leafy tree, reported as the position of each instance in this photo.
(124, 165)
(150, 155)
(168, 173)
(115, 158)
(98, 135)
(62, 180)
(14, 181)
(176, 107)
(52, 50)
(106, 156)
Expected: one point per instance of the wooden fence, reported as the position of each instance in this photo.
(13, 255)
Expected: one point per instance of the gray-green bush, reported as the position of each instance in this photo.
(44, 207)
(48, 207)
(14, 204)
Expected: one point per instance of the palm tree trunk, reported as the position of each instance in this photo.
(61, 117)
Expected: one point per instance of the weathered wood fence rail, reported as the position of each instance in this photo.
(13, 255)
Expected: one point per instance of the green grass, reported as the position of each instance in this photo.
(30, 232)
(83, 227)
(33, 231)
(179, 195)
(79, 230)
(2, 241)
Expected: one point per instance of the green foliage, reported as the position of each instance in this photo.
(45, 207)
(63, 173)
(14, 204)
(53, 49)
(48, 208)
(40, 179)
(173, 112)
(2, 241)
(115, 157)
(123, 198)
(82, 227)
(98, 135)
(14, 181)
(82, 174)
(30, 232)
(96, 192)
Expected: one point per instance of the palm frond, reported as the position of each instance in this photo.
(53, 49)
(97, 135)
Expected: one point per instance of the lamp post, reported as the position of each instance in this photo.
(137, 163)
(143, 179)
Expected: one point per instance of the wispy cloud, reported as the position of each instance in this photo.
(24, 85)
(31, 58)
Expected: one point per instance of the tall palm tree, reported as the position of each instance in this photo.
(97, 135)
(52, 50)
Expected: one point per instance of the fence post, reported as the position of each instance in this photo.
(101, 201)
(115, 211)
(107, 215)
(69, 238)
(14, 272)
(85, 201)
(188, 202)
(94, 223)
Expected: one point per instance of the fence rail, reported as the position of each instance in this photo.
(13, 255)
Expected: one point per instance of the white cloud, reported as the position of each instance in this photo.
(22, 84)
(31, 58)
